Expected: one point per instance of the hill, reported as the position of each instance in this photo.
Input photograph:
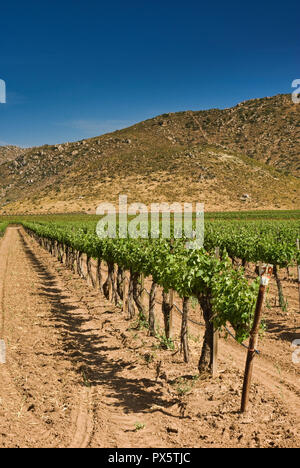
(245, 157)
(9, 153)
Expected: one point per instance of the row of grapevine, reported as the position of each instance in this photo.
(3, 227)
(223, 292)
(253, 241)
(270, 242)
(255, 215)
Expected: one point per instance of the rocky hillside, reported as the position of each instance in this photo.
(265, 129)
(246, 157)
(9, 153)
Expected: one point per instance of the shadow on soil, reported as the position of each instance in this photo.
(88, 352)
(282, 331)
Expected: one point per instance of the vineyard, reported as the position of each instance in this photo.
(224, 293)
(219, 284)
(166, 290)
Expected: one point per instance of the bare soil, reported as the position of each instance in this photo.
(80, 374)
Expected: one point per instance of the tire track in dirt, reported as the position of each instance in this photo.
(5, 248)
(14, 419)
(83, 420)
(27, 428)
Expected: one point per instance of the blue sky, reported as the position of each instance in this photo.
(77, 69)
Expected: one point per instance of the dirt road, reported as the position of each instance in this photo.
(79, 374)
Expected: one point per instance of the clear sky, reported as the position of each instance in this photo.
(77, 69)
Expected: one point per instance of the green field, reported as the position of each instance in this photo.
(219, 215)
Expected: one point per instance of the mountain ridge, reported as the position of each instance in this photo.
(180, 156)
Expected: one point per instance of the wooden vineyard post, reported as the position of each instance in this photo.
(298, 269)
(111, 279)
(152, 309)
(215, 350)
(167, 309)
(142, 295)
(265, 273)
(99, 275)
(169, 330)
(184, 330)
(125, 293)
(214, 367)
(130, 297)
(171, 298)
